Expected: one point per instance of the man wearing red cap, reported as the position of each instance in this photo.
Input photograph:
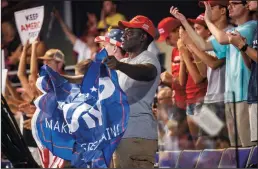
(215, 74)
(169, 32)
(138, 76)
(237, 73)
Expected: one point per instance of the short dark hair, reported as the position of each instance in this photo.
(244, 2)
(227, 12)
(149, 39)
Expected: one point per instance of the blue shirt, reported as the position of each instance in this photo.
(253, 88)
(237, 74)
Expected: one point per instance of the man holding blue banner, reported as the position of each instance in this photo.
(138, 77)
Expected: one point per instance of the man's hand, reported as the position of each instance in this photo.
(166, 77)
(26, 45)
(27, 108)
(236, 39)
(111, 62)
(27, 124)
(208, 14)
(175, 12)
(35, 43)
(180, 44)
(185, 37)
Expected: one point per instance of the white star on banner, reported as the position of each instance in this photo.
(93, 89)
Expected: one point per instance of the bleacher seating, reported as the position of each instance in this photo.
(188, 158)
(228, 159)
(253, 160)
(208, 158)
(168, 159)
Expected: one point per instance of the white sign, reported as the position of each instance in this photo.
(29, 23)
(4, 76)
(208, 121)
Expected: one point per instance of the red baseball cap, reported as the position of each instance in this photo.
(141, 22)
(214, 3)
(167, 25)
(199, 20)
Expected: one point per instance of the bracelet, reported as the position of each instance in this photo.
(244, 48)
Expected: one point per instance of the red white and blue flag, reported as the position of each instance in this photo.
(81, 123)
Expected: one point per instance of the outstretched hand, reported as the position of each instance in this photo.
(208, 14)
(175, 12)
(26, 45)
(111, 62)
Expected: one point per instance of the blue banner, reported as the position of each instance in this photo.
(94, 114)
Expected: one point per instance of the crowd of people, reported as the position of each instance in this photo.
(213, 66)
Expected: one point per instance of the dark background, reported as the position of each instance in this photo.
(155, 10)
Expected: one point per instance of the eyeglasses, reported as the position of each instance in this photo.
(234, 4)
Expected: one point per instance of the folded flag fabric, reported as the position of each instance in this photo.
(81, 123)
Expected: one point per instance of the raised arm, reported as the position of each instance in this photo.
(140, 72)
(65, 28)
(22, 67)
(22, 72)
(34, 62)
(199, 41)
(220, 35)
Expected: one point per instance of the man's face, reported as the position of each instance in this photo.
(108, 7)
(8, 32)
(215, 13)
(132, 39)
(252, 5)
(202, 31)
(173, 37)
(236, 9)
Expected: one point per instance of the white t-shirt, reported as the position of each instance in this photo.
(83, 50)
(140, 95)
(153, 48)
(216, 83)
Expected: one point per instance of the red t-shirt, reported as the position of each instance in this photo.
(180, 94)
(195, 93)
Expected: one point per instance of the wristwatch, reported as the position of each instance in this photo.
(244, 48)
